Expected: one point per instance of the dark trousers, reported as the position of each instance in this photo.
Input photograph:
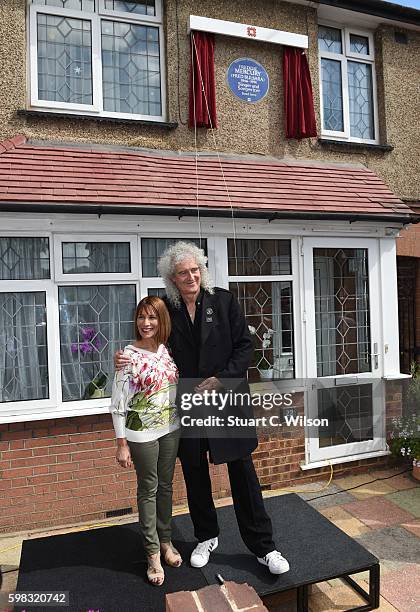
(253, 521)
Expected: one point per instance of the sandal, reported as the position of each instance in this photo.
(155, 573)
(171, 555)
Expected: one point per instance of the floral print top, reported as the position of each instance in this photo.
(143, 395)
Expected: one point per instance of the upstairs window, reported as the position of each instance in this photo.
(348, 92)
(97, 57)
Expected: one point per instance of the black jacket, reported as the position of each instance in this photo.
(225, 352)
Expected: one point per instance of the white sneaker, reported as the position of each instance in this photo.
(201, 554)
(275, 562)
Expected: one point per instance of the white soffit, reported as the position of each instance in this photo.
(251, 32)
(342, 17)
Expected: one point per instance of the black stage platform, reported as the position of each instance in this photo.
(101, 569)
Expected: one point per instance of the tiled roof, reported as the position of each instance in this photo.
(48, 173)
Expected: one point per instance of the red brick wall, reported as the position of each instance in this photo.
(54, 472)
(408, 243)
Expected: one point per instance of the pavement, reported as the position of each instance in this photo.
(380, 509)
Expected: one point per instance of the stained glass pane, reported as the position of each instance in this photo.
(329, 39)
(78, 5)
(332, 98)
(95, 321)
(96, 257)
(64, 59)
(24, 258)
(342, 317)
(131, 68)
(23, 347)
(359, 44)
(269, 315)
(152, 249)
(349, 413)
(259, 257)
(361, 100)
(139, 8)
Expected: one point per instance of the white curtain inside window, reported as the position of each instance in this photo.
(23, 347)
(95, 321)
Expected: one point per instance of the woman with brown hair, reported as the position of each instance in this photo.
(147, 429)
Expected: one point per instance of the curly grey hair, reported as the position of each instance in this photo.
(174, 255)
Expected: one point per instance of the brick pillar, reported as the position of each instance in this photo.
(229, 597)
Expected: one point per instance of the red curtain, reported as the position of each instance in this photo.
(202, 106)
(298, 99)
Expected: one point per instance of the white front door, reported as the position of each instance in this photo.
(343, 333)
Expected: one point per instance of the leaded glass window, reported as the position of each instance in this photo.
(347, 83)
(104, 56)
(342, 311)
(268, 309)
(96, 257)
(64, 59)
(153, 248)
(23, 347)
(139, 8)
(95, 321)
(24, 258)
(259, 257)
(131, 68)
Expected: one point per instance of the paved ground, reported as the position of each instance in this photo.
(384, 516)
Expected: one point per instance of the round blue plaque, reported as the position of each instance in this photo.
(248, 80)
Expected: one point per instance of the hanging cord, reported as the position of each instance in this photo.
(194, 48)
(218, 157)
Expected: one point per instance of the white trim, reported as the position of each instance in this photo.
(369, 56)
(134, 16)
(344, 57)
(95, 278)
(248, 31)
(95, 18)
(389, 306)
(325, 463)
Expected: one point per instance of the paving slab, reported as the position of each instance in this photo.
(332, 496)
(392, 545)
(375, 488)
(408, 500)
(402, 588)
(378, 512)
(10, 549)
(413, 526)
(399, 481)
(347, 482)
(345, 521)
(333, 599)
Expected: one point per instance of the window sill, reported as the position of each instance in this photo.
(38, 114)
(345, 145)
(325, 462)
(27, 416)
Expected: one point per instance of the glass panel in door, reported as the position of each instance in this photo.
(343, 338)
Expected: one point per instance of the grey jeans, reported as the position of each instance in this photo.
(154, 463)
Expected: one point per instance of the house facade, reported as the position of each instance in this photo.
(104, 162)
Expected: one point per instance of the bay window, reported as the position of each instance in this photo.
(98, 57)
(348, 88)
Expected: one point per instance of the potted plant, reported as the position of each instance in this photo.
(264, 367)
(91, 345)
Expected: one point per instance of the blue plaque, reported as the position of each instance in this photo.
(248, 80)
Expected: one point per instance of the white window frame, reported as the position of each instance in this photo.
(343, 58)
(95, 18)
(45, 286)
(114, 277)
